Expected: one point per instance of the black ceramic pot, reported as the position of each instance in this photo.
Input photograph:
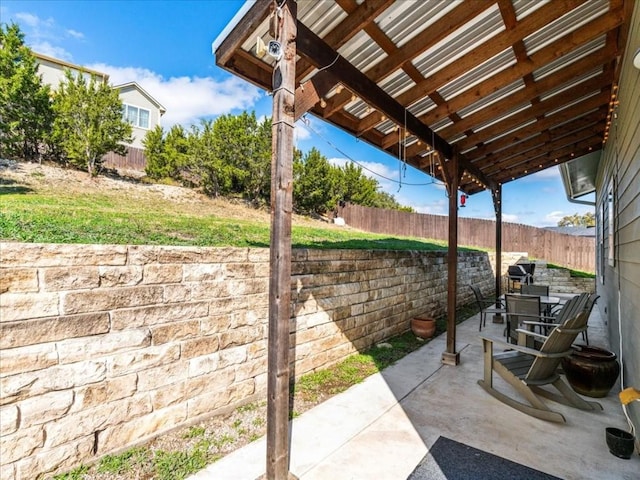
(620, 443)
(591, 371)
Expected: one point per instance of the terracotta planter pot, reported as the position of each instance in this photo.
(423, 327)
(591, 371)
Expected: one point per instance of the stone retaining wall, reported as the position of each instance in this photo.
(105, 346)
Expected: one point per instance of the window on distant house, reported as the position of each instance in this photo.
(136, 116)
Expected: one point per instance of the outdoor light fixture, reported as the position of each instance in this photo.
(261, 48)
(275, 50)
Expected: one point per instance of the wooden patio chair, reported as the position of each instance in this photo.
(593, 298)
(521, 308)
(571, 308)
(534, 289)
(528, 370)
(484, 304)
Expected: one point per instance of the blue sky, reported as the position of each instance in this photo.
(165, 46)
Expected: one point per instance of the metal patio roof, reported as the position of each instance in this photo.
(512, 86)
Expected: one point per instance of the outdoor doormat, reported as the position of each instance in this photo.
(451, 460)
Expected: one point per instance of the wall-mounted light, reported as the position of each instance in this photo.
(636, 59)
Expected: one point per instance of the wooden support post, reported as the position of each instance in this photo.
(280, 258)
(450, 356)
(497, 204)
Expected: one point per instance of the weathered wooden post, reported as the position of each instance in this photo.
(451, 170)
(497, 204)
(284, 26)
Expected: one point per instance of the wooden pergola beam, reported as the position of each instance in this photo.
(323, 56)
(256, 14)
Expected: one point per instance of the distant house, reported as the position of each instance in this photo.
(141, 110)
(575, 231)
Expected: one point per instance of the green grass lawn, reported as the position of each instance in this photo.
(54, 215)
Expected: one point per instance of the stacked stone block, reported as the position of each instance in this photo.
(104, 347)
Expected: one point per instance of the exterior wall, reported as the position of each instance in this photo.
(619, 280)
(53, 72)
(106, 346)
(132, 96)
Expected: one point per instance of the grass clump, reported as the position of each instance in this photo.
(75, 474)
(124, 462)
(572, 272)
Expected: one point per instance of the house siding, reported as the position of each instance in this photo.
(132, 96)
(53, 73)
(619, 285)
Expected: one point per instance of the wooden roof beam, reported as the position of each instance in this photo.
(495, 147)
(530, 155)
(249, 22)
(322, 55)
(359, 16)
(537, 139)
(529, 94)
(567, 114)
(560, 47)
(492, 47)
(562, 155)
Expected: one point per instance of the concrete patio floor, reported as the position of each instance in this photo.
(382, 428)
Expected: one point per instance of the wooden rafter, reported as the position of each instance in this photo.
(488, 134)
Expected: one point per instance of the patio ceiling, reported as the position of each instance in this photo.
(512, 86)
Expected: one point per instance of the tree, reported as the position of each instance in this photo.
(153, 143)
(89, 121)
(25, 105)
(315, 184)
(244, 146)
(214, 174)
(575, 220)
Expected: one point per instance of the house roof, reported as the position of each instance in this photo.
(575, 231)
(143, 92)
(72, 66)
(512, 86)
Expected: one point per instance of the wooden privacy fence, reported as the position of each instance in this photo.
(566, 250)
(134, 160)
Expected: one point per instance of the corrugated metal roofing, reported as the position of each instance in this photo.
(490, 76)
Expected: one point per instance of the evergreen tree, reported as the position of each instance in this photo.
(315, 184)
(214, 174)
(25, 105)
(153, 143)
(89, 121)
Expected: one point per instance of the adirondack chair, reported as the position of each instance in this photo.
(528, 370)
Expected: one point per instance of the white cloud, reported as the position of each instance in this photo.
(301, 132)
(437, 207)
(547, 173)
(46, 48)
(40, 33)
(510, 217)
(33, 21)
(554, 217)
(75, 33)
(187, 99)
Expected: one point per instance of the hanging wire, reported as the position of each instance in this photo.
(306, 121)
(330, 65)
